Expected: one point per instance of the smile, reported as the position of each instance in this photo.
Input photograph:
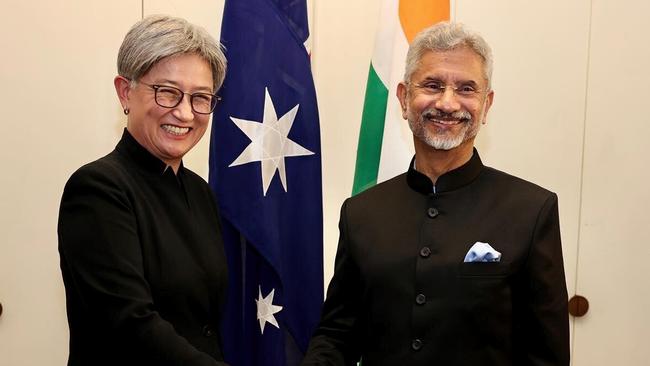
(446, 119)
(446, 122)
(175, 130)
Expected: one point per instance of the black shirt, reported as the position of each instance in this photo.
(142, 261)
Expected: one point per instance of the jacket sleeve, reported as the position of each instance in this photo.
(543, 330)
(336, 340)
(101, 261)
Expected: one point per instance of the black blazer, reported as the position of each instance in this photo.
(401, 294)
(142, 261)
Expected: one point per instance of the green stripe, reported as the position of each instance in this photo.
(371, 134)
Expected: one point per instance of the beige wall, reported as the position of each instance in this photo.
(60, 111)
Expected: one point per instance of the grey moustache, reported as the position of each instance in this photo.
(463, 116)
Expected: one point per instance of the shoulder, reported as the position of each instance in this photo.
(198, 188)
(389, 187)
(102, 176)
(510, 187)
(194, 178)
(108, 166)
(386, 196)
(197, 182)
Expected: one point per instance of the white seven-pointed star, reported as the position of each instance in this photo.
(266, 309)
(269, 142)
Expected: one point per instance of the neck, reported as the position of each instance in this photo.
(433, 163)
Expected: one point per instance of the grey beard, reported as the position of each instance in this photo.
(443, 142)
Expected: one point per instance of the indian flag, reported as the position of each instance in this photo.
(385, 141)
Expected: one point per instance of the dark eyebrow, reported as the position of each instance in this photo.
(470, 83)
(431, 80)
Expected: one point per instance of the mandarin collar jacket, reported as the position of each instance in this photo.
(143, 262)
(402, 295)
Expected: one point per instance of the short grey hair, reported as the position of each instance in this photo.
(446, 36)
(159, 36)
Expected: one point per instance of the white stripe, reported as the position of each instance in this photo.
(389, 27)
(397, 145)
(389, 60)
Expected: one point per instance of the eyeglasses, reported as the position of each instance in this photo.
(437, 89)
(170, 97)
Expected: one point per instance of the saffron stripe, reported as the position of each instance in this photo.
(415, 15)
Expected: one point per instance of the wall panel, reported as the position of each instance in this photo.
(59, 112)
(612, 267)
(343, 41)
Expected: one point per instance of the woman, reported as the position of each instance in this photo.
(139, 234)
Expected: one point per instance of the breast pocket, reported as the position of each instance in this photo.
(484, 300)
(483, 269)
(484, 289)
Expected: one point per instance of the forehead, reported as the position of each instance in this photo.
(458, 64)
(185, 68)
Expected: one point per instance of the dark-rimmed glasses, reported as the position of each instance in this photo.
(170, 97)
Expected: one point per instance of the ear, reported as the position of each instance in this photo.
(122, 88)
(401, 95)
(488, 103)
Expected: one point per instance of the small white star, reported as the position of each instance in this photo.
(266, 309)
(269, 142)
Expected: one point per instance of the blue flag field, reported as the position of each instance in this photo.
(265, 168)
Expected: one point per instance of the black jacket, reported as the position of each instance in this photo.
(142, 262)
(401, 294)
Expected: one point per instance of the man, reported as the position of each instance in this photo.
(453, 262)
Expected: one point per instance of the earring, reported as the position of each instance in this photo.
(126, 111)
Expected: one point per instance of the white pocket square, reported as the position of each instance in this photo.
(482, 252)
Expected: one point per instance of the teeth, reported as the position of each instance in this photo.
(176, 130)
(446, 122)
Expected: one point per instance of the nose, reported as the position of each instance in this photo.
(183, 111)
(447, 101)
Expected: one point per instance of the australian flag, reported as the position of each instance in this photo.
(265, 167)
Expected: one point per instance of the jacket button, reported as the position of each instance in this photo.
(432, 212)
(416, 344)
(425, 252)
(420, 299)
(207, 331)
